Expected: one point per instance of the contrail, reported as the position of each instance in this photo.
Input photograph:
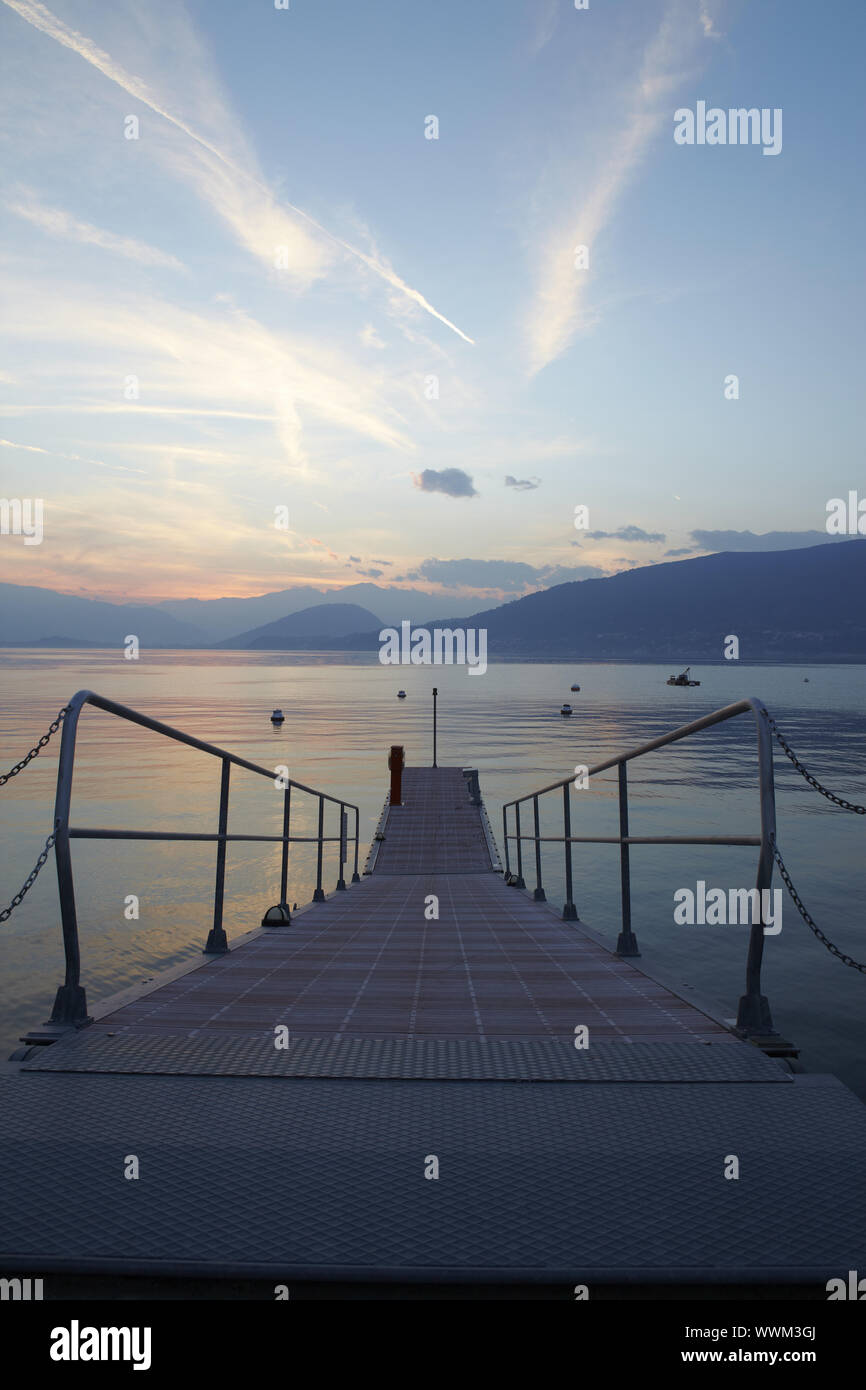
(42, 18)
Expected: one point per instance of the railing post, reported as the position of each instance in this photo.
(519, 881)
(569, 911)
(70, 1002)
(280, 916)
(356, 877)
(344, 829)
(319, 894)
(539, 895)
(753, 1011)
(627, 941)
(217, 945)
(505, 842)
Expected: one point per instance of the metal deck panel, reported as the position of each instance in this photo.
(208, 1054)
(437, 829)
(325, 1179)
(366, 963)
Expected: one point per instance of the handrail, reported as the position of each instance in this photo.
(70, 1005)
(753, 1014)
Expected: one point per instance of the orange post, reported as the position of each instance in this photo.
(395, 763)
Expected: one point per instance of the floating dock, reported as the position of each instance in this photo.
(431, 1119)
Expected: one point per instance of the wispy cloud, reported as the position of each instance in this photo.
(558, 310)
(261, 221)
(63, 225)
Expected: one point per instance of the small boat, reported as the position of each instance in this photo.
(401, 694)
(575, 687)
(682, 678)
(565, 711)
(277, 717)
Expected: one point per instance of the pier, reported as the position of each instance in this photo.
(431, 1076)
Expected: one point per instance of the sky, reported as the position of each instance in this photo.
(258, 329)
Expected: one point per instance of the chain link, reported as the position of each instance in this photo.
(31, 879)
(813, 781)
(807, 918)
(35, 751)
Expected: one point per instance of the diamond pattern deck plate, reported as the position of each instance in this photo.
(427, 1059)
(436, 829)
(326, 1179)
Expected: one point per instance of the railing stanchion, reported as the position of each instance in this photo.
(519, 882)
(626, 944)
(217, 945)
(753, 1011)
(569, 911)
(344, 831)
(505, 842)
(319, 894)
(356, 877)
(539, 894)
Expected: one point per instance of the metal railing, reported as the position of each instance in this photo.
(70, 1007)
(753, 1013)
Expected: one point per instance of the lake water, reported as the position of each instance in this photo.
(341, 718)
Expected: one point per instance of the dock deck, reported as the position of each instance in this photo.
(408, 1034)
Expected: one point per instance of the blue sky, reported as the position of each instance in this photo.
(308, 386)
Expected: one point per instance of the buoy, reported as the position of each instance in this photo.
(277, 717)
(566, 710)
(401, 694)
(575, 687)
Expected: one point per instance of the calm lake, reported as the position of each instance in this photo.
(342, 717)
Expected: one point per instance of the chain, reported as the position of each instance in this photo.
(31, 879)
(813, 781)
(807, 918)
(34, 752)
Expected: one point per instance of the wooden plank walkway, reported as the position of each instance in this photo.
(407, 1035)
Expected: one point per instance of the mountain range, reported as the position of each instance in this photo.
(803, 604)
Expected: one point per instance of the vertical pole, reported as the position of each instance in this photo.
(70, 1003)
(341, 882)
(217, 945)
(539, 894)
(569, 911)
(435, 697)
(284, 867)
(356, 877)
(754, 1018)
(318, 895)
(627, 941)
(505, 841)
(520, 880)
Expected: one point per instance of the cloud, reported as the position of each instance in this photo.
(708, 23)
(230, 186)
(683, 550)
(557, 312)
(771, 540)
(355, 559)
(522, 484)
(512, 576)
(626, 533)
(61, 224)
(370, 338)
(452, 481)
(372, 573)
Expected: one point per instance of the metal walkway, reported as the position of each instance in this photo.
(411, 1038)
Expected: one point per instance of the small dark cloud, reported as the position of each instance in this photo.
(371, 573)
(522, 484)
(627, 533)
(514, 576)
(748, 540)
(452, 481)
(355, 559)
(683, 550)
(382, 562)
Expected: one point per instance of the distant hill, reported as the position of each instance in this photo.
(218, 618)
(324, 621)
(802, 605)
(28, 614)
